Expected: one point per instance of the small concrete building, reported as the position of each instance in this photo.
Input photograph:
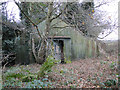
(69, 43)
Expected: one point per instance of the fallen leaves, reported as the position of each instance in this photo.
(87, 73)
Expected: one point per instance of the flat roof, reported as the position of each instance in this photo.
(59, 37)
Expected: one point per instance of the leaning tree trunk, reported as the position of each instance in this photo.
(48, 26)
(43, 52)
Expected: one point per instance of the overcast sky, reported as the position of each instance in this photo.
(112, 13)
(111, 9)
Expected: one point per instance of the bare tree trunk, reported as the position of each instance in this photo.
(48, 25)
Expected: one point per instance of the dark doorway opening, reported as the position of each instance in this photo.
(59, 50)
(59, 43)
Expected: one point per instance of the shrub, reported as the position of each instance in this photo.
(110, 82)
(47, 66)
(12, 82)
(67, 60)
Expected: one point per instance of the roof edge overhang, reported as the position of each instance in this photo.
(59, 37)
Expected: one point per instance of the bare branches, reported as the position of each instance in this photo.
(28, 18)
(33, 49)
(5, 58)
(24, 14)
(61, 27)
(60, 13)
(106, 35)
(101, 4)
(49, 15)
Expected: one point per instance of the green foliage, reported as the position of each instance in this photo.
(63, 71)
(110, 82)
(47, 66)
(67, 60)
(103, 62)
(12, 82)
(118, 54)
(44, 83)
(24, 79)
(24, 75)
(14, 79)
(113, 65)
(14, 75)
(29, 77)
(42, 4)
(21, 76)
(73, 86)
(8, 42)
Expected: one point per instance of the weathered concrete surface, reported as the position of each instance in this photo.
(78, 46)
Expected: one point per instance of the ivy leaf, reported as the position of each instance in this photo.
(44, 5)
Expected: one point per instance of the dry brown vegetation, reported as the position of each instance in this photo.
(87, 73)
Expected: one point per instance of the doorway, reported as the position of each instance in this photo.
(59, 50)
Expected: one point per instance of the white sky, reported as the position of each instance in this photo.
(13, 11)
(112, 13)
(111, 9)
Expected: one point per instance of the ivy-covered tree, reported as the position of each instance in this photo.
(9, 34)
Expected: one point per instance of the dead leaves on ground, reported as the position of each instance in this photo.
(84, 73)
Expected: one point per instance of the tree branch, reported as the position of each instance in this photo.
(101, 4)
(106, 35)
(28, 18)
(59, 13)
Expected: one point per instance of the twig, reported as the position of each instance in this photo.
(28, 18)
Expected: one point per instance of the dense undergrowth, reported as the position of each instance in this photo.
(88, 73)
(22, 77)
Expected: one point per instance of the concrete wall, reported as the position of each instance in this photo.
(78, 47)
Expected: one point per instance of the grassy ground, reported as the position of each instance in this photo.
(87, 73)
